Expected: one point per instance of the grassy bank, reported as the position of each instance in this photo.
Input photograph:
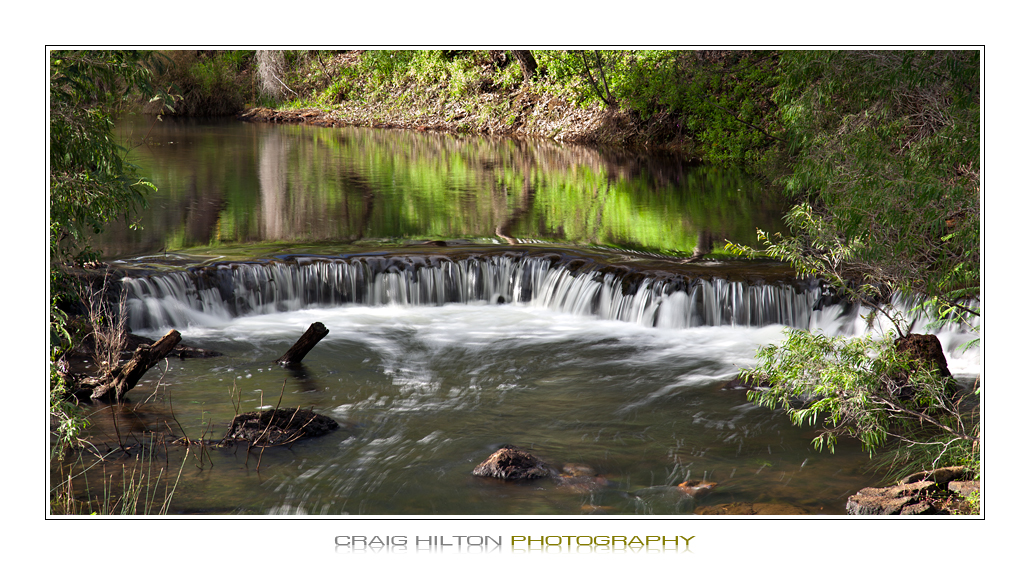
(715, 106)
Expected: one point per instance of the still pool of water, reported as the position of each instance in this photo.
(239, 189)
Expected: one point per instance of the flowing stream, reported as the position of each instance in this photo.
(494, 316)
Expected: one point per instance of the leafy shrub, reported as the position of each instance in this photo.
(863, 388)
(720, 99)
(210, 83)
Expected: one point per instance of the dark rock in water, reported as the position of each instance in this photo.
(278, 427)
(512, 464)
(925, 349)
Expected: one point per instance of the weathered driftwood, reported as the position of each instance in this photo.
(306, 342)
(127, 374)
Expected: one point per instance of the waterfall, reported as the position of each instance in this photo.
(221, 292)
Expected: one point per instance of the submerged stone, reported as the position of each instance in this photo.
(751, 509)
(580, 478)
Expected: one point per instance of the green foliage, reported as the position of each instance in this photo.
(862, 388)
(209, 83)
(720, 99)
(885, 149)
(91, 181)
(590, 77)
(887, 168)
(974, 502)
(67, 421)
(888, 153)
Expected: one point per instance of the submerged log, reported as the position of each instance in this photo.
(181, 351)
(278, 427)
(127, 374)
(306, 342)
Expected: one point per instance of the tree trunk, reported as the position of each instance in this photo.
(705, 239)
(306, 342)
(124, 377)
(270, 71)
(527, 63)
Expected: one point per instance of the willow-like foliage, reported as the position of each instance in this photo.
(91, 181)
(862, 388)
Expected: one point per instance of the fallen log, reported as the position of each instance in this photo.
(127, 374)
(306, 342)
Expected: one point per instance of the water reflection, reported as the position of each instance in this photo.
(226, 183)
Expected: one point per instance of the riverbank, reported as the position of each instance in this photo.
(534, 116)
(641, 100)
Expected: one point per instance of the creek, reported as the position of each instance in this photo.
(477, 292)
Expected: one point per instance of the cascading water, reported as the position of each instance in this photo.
(223, 292)
(216, 294)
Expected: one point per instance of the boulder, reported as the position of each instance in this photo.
(926, 492)
(926, 351)
(924, 348)
(510, 463)
(919, 508)
(964, 488)
(887, 500)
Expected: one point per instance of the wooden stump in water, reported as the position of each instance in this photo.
(124, 377)
(306, 342)
(278, 427)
